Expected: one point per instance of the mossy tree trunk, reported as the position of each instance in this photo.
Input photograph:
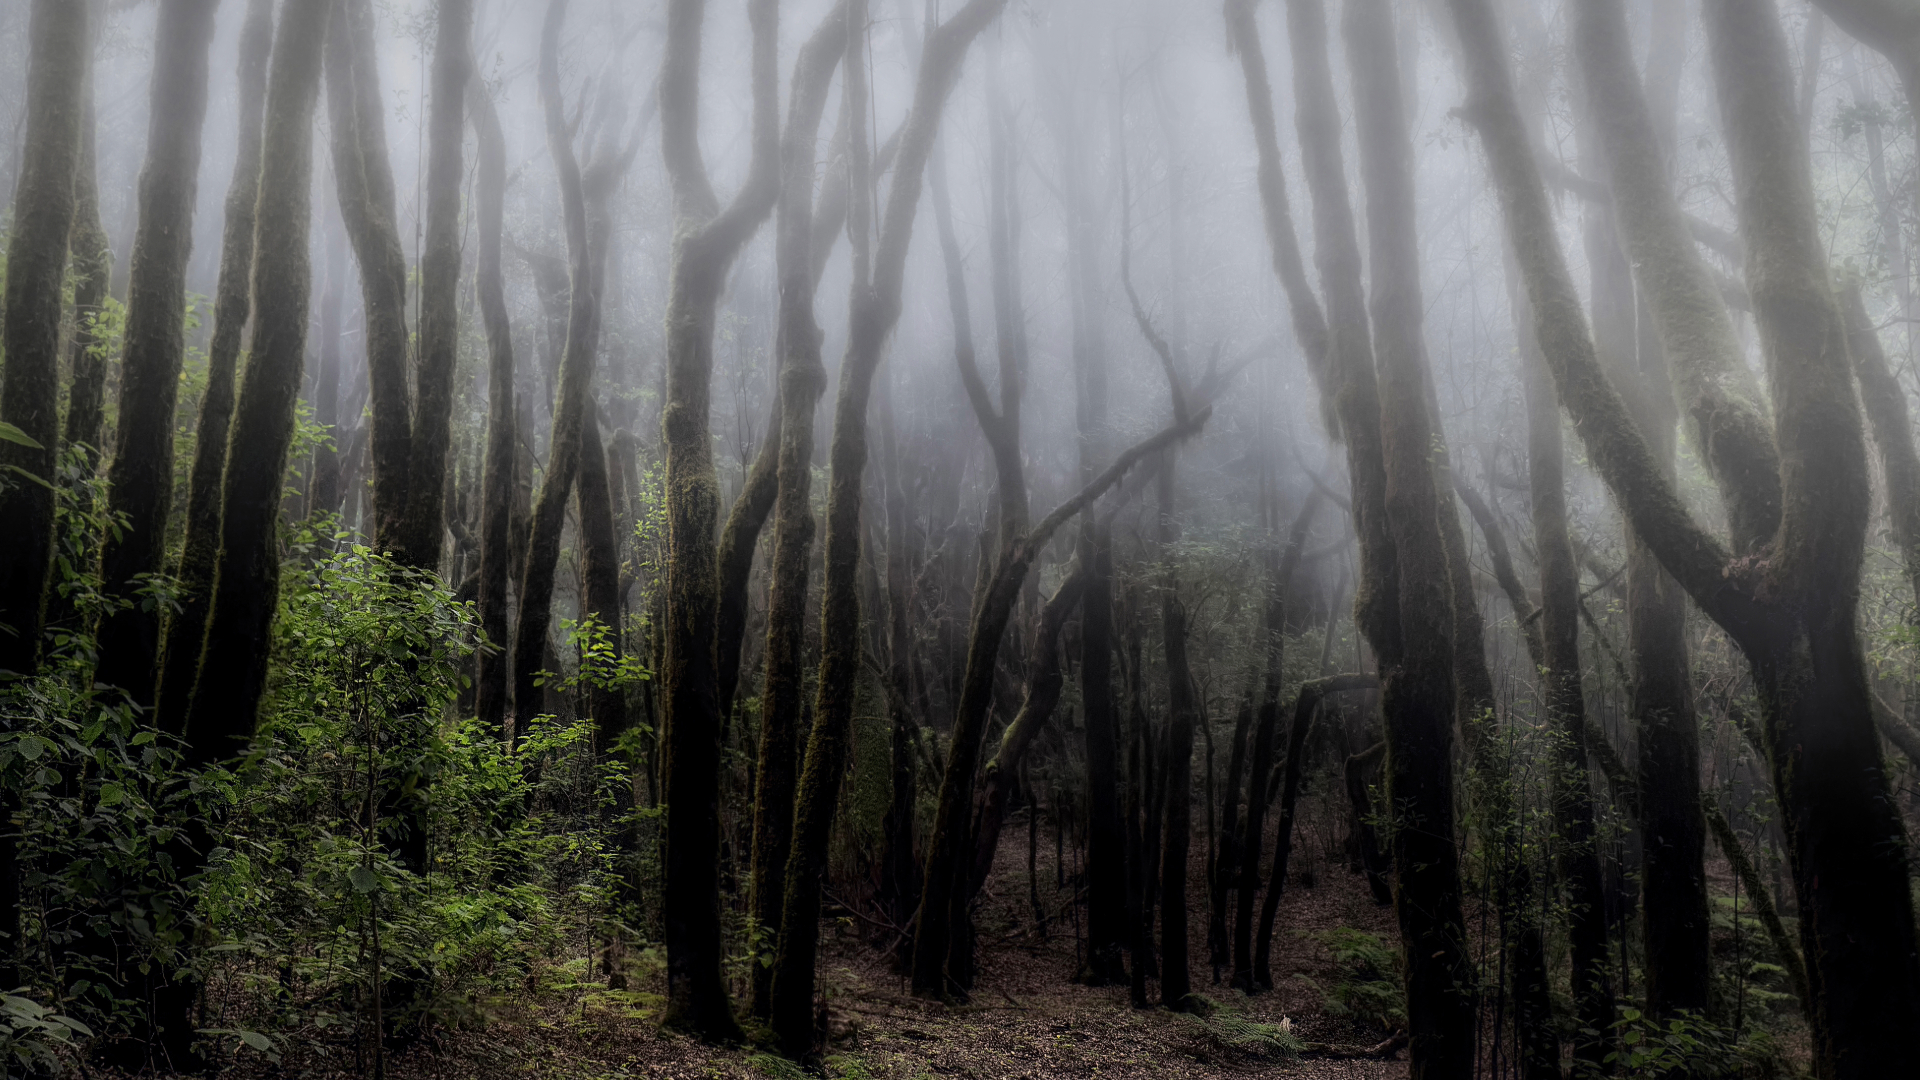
(496, 483)
(92, 259)
(1790, 609)
(140, 477)
(706, 240)
(232, 309)
(803, 378)
(58, 45)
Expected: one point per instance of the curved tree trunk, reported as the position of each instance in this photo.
(140, 477)
(232, 309)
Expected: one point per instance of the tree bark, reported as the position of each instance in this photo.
(232, 309)
(92, 259)
(323, 481)
(1885, 404)
(140, 477)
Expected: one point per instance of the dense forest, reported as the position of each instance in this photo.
(911, 538)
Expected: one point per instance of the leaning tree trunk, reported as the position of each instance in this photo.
(706, 241)
(58, 44)
(232, 308)
(140, 477)
(496, 483)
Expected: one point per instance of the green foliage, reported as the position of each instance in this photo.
(775, 1067)
(32, 1035)
(1238, 1033)
(1690, 1046)
(1368, 984)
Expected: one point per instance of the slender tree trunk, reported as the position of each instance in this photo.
(432, 427)
(140, 477)
(58, 45)
(247, 576)
(1674, 834)
(1885, 403)
(1107, 922)
(1223, 868)
(1044, 682)
(1572, 792)
(323, 483)
(802, 380)
(600, 574)
(363, 179)
(1260, 762)
(873, 310)
(1176, 984)
(496, 484)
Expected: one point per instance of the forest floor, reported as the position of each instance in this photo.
(1026, 1019)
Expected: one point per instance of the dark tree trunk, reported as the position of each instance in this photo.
(496, 484)
(1673, 841)
(248, 574)
(1107, 923)
(1260, 759)
(999, 777)
(140, 477)
(58, 46)
(874, 308)
(363, 179)
(420, 534)
(706, 241)
(802, 380)
(1222, 870)
(92, 268)
(1176, 983)
(600, 574)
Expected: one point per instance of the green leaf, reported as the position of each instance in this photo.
(32, 746)
(112, 794)
(9, 433)
(256, 1040)
(364, 880)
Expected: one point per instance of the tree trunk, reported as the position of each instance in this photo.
(1885, 403)
(1176, 984)
(706, 241)
(58, 46)
(363, 179)
(140, 477)
(1222, 869)
(1107, 923)
(421, 531)
(874, 309)
(802, 380)
(92, 268)
(1793, 613)
(1044, 683)
(600, 575)
(247, 577)
(232, 310)
(496, 484)
(1260, 761)
(323, 482)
